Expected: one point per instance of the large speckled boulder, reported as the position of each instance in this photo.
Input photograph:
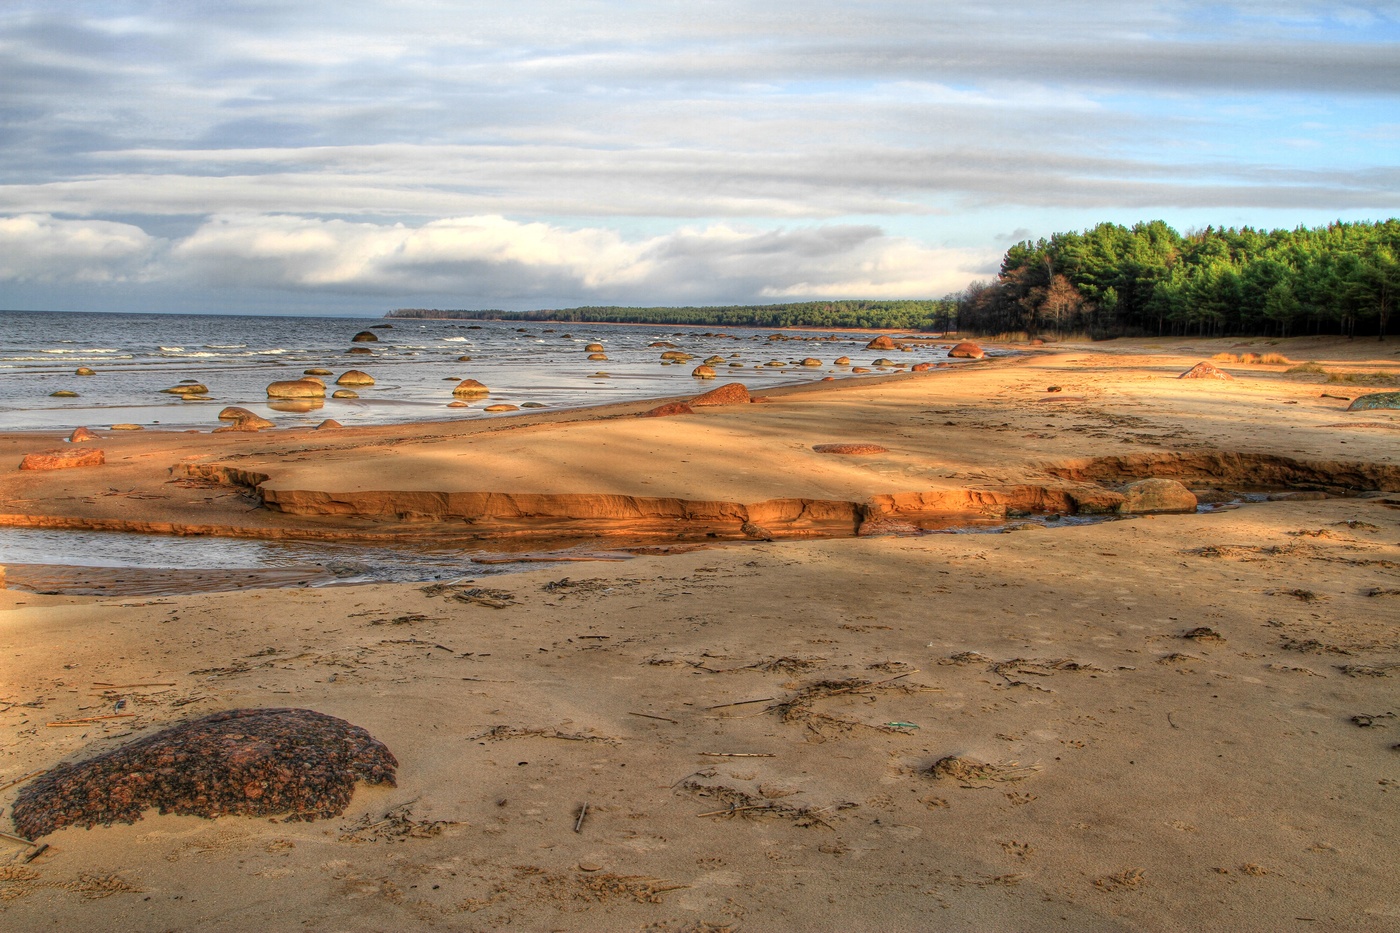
(882, 342)
(1375, 400)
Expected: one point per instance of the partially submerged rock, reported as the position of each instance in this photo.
(1156, 495)
(309, 387)
(966, 351)
(882, 342)
(355, 377)
(1375, 400)
(64, 459)
(242, 420)
(187, 388)
(365, 336)
(243, 762)
(703, 372)
(731, 393)
(469, 388)
(81, 434)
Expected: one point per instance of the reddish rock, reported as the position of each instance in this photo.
(850, 449)
(81, 434)
(354, 377)
(882, 342)
(470, 387)
(842, 361)
(670, 408)
(811, 361)
(63, 459)
(594, 348)
(1156, 495)
(732, 393)
(84, 371)
(966, 351)
(703, 372)
(921, 367)
(345, 393)
(501, 406)
(329, 424)
(1206, 371)
(886, 526)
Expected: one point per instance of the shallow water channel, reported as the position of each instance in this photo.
(118, 563)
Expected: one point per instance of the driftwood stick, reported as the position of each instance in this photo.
(20, 780)
(645, 716)
(100, 683)
(738, 755)
(728, 810)
(582, 812)
(85, 721)
(741, 703)
(20, 839)
(39, 849)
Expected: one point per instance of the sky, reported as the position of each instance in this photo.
(348, 157)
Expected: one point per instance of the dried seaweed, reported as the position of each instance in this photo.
(247, 762)
(969, 772)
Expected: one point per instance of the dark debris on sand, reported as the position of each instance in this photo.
(245, 762)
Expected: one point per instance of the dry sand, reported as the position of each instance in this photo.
(1166, 722)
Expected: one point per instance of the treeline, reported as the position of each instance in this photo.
(1150, 280)
(899, 315)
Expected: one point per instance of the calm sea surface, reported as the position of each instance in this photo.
(415, 365)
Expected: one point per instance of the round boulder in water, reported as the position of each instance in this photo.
(309, 387)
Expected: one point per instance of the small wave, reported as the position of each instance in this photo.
(201, 353)
(275, 351)
(454, 340)
(172, 349)
(224, 346)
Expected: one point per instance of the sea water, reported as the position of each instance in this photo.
(415, 365)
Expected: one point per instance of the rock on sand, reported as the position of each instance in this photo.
(966, 351)
(63, 459)
(732, 393)
(1156, 495)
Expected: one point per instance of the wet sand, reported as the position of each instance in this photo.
(1166, 722)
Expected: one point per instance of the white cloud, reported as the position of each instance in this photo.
(44, 249)
(490, 259)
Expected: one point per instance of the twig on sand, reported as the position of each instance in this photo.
(20, 780)
(738, 755)
(742, 702)
(83, 722)
(650, 716)
(582, 813)
(20, 839)
(99, 683)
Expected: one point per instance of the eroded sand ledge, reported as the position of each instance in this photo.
(1185, 719)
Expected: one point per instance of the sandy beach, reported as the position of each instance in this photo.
(787, 707)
